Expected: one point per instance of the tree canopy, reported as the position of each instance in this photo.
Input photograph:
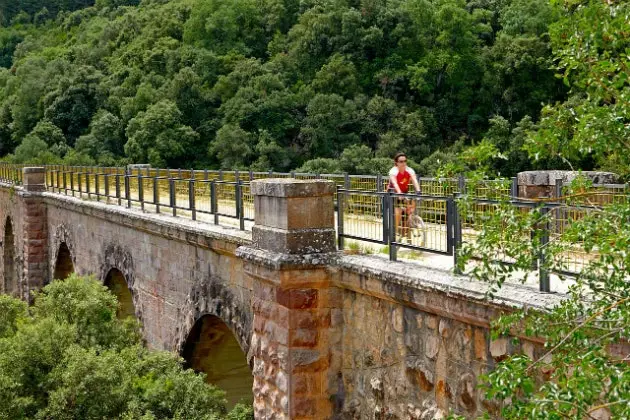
(583, 370)
(272, 84)
(69, 357)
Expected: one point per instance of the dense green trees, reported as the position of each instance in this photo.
(585, 360)
(68, 357)
(272, 84)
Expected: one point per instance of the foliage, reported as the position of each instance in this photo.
(68, 357)
(271, 84)
(583, 370)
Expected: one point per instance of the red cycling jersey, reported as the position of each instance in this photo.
(402, 178)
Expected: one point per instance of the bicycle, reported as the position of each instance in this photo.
(413, 226)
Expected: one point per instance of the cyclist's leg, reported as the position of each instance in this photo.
(405, 220)
(410, 211)
(397, 216)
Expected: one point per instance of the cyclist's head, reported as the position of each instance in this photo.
(400, 159)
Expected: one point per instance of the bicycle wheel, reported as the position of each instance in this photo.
(418, 230)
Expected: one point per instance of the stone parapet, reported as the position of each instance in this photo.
(542, 184)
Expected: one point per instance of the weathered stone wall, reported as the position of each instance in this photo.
(415, 340)
(542, 184)
(11, 208)
(176, 271)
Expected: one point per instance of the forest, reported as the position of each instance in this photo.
(312, 85)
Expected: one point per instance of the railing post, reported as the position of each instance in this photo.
(65, 183)
(393, 250)
(140, 189)
(514, 188)
(106, 177)
(346, 181)
(558, 211)
(340, 203)
(450, 230)
(128, 189)
(251, 175)
(79, 186)
(457, 236)
(379, 183)
(173, 195)
(118, 188)
(156, 193)
(220, 174)
(236, 200)
(191, 198)
(461, 184)
(87, 185)
(239, 205)
(213, 201)
(97, 187)
(385, 210)
(543, 272)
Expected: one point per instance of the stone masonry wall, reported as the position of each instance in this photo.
(415, 341)
(11, 208)
(176, 272)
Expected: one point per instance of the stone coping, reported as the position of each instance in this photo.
(419, 278)
(34, 169)
(550, 177)
(288, 187)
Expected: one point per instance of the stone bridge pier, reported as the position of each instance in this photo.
(296, 335)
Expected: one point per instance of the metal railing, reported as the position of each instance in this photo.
(434, 222)
(207, 200)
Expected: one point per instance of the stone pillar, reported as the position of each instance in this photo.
(297, 316)
(35, 231)
(542, 184)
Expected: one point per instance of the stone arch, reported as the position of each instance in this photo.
(212, 348)
(64, 266)
(11, 282)
(212, 297)
(117, 284)
(116, 259)
(62, 252)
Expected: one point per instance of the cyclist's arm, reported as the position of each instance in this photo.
(394, 182)
(416, 186)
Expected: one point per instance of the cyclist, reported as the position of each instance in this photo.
(399, 178)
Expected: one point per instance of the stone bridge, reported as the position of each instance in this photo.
(276, 314)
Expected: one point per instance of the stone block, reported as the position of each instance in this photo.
(539, 184)
(499, 348)
(294, 213)
(34, 179)
(302, 241)
(297, 298)
(282, 187)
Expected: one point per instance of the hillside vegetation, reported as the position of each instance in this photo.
(331, 85)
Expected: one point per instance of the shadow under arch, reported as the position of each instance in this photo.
(10, 286)
(117, 284)
(64, 265)
(212, 348)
